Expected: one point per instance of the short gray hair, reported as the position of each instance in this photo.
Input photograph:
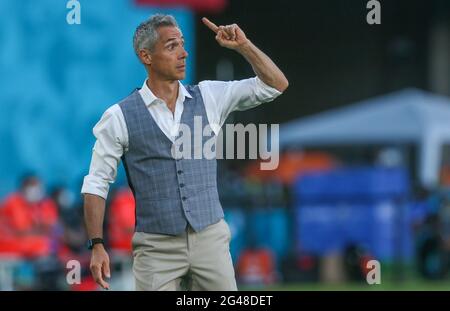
(146, 33)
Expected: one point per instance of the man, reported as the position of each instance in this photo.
(179, 220)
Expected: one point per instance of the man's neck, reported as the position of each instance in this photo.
(166, 90)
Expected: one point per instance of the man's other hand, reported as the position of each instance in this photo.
(100, 265)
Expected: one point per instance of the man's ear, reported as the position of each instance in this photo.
(145, 57)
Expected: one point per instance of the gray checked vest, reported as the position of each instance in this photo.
(169, 193)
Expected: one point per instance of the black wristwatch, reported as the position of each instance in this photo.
(94, 241)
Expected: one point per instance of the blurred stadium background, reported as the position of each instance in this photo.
(365, 140)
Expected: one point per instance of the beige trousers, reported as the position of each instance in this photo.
(191, 261)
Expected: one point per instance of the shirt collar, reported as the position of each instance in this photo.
(150, 98)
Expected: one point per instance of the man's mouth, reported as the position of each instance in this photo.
(181, 67)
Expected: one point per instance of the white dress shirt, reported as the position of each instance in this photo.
(220, 99)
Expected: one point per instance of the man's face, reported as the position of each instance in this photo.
(168, 58)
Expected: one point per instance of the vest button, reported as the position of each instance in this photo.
(184, 198)
(179, 172)
(181, 185)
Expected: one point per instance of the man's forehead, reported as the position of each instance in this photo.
(167, 33)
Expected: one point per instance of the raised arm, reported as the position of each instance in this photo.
(232, 37)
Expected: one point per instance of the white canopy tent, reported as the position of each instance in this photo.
(406, 116)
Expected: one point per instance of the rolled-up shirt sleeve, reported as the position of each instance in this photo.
(224, 97)
(110, 134)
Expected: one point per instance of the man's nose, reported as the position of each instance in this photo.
(184, 53)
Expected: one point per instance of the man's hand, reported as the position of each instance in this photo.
(100, 265)
(229, 36)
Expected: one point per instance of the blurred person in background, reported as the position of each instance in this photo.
(72, 234)
(428, 225)
(71, 238)
(432, 258)
(29, 231)
(180, 228)
(256, 266)
(121, 220)
(28, 220)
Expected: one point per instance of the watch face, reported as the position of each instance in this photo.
(91, 242)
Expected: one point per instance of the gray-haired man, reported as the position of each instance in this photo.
(179, 220)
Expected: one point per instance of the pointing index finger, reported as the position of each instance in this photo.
(210, 24)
